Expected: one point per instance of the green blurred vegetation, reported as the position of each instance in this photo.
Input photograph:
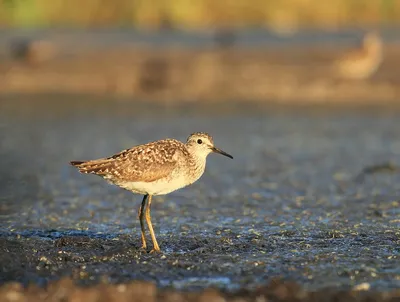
(198, 13)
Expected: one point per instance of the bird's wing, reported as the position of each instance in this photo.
(145, 163)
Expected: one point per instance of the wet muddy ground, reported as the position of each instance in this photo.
(312, 196)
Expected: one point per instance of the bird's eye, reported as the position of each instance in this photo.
(199, 141)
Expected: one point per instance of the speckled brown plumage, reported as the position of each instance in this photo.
(146, 163)
(155, 168)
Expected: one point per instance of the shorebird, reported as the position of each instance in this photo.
(33, 52)
(362, 62)
(155, 168)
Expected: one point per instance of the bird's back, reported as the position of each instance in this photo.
(144, 163)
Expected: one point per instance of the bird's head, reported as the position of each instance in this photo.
(203, 144)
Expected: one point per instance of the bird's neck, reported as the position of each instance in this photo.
(198, 162)
(374, 48)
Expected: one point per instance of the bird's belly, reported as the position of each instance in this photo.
(158, 187)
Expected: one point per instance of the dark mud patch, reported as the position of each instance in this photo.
(387, 167)
(226, 260)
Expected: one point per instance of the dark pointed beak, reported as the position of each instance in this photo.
(216, 150)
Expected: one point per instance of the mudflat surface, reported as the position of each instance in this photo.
(312, 196)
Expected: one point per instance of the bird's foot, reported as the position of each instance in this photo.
(155, 251)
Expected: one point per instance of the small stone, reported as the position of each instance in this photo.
(362, 286)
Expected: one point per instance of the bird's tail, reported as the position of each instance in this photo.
(99, 166)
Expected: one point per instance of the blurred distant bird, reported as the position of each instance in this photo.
(32, 52)
(155, 168)
(225, 38)
(362, 62)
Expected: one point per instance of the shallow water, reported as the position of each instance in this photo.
(80, 40)
(294, 202)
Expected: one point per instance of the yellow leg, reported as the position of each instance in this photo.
(141, 214)
(156, 248)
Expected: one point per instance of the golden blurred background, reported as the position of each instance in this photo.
(288, 50)
(199, 14)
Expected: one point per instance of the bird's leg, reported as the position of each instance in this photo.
(156, 248)
(141, 214)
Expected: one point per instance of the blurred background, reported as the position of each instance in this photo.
(287, 14)
(202, 50)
